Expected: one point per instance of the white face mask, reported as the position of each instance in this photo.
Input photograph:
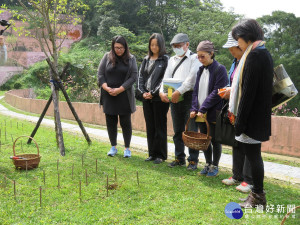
(179, 51)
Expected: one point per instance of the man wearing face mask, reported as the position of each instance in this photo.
(183, 67)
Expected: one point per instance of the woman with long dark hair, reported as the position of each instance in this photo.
(155, 111)
(250, 102)
(116, 75)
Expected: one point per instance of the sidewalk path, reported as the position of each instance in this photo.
(274, 170)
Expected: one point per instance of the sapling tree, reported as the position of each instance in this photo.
(49, 22)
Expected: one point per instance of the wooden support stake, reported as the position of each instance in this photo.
(26, 168)
(106, 185)
(72, 170)
(80, 190)
(137, 176)
(86, 177)
(15, 194)
(39, 121)
(40, 196)
(96, 163)
(58, 183)
(12, 139)
(57, 164)
(44, 175)
(74, 113)
(115, 174)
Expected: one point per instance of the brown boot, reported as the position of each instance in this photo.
(254, 199)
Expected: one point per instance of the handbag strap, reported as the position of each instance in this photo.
(181, 61)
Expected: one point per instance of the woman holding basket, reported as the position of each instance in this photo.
(206, 101)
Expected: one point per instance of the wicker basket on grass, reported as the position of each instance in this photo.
(26, 161)
(196, 140)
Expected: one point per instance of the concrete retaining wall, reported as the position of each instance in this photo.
(285, 130)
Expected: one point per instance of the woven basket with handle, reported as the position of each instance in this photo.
(196, 140)
(27, 161)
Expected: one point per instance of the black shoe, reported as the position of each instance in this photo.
(158, 161)
(192, 165)
(150, 158)
(176, 162)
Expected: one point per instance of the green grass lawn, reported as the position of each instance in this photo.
(162, 196)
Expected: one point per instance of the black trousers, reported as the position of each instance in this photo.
(112, 123)
(253, 153)
(213, 153)
(155, 113)
(241, 168)
(180, 114)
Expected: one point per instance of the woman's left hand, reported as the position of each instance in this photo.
(116, 91)
(201, 115)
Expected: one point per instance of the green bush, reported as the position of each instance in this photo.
(17, 85)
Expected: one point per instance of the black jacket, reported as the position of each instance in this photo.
(254, 111)
(129, 79)
(160, 66)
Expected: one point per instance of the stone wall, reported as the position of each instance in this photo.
(285, 130)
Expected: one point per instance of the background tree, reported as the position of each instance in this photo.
(208, 22)
(282, 34)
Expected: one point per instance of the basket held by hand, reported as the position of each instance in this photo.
(196, 140)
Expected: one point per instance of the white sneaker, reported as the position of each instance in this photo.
(244, 187)
(230, 181)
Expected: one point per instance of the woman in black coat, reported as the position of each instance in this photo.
(116, 75)
(250, 102)
(155, 111)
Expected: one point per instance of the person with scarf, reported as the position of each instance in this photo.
(206, 101)
(250, 102)
(240, 164)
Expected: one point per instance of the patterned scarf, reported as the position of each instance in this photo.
(236, 88)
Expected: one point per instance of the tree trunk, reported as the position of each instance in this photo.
(75, 114)
(58, 128)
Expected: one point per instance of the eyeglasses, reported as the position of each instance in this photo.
(202, 56)
(178, 45)
(119, 48)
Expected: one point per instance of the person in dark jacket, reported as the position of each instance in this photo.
(241, 168)
(150, 78)
(250, 102)
(206, 101)
(116, 75)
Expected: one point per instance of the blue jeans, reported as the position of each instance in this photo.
(180, 114)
